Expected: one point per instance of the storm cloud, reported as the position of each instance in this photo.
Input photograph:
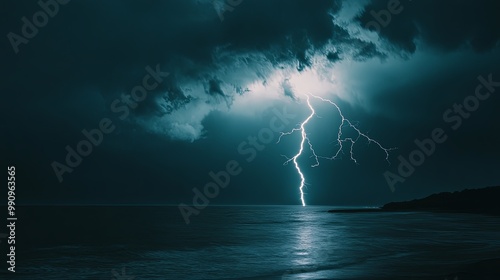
(227, 70)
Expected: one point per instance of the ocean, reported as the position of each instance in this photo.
(245, 242)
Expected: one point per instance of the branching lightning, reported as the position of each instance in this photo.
(303, 133)
(341, 141)
(351, 140)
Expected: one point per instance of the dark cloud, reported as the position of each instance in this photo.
(446, 25)
(93, 53)
(106, 47)
(111, 44)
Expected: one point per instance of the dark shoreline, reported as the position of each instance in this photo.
(473, 201)
(476, 201)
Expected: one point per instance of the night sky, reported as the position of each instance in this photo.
(216, 73)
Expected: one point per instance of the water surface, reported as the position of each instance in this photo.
(247, 242)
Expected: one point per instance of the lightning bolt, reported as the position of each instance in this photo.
(303, 133)
(352, 141)
(304, 138)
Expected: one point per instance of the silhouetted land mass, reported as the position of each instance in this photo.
(478, 201)
(481, 201)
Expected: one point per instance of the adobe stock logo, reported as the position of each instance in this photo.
(250, 150)
(40, 19)
(384, 16)
(455, 117)
(227, 5)
(94, 137)
(121, 276)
